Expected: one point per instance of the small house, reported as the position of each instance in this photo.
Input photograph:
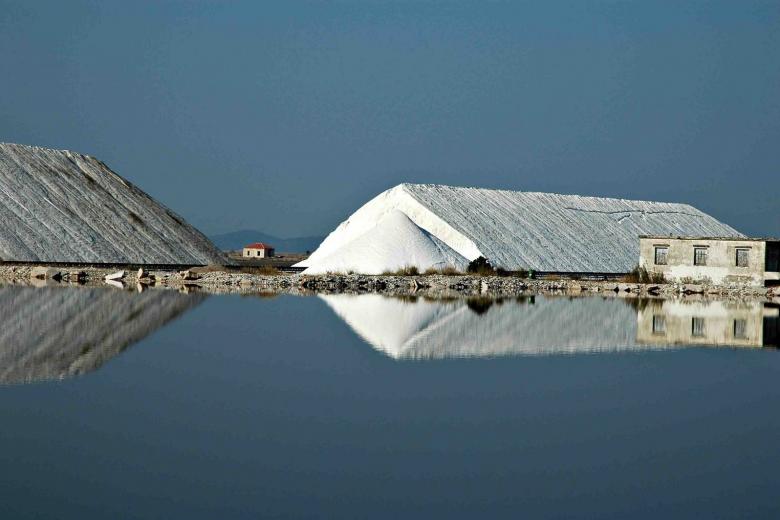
(720, 260)
(258, 250)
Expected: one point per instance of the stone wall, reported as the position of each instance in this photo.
(721, 268)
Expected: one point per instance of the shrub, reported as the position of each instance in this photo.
(642, 275)
(479, 305)
(481, 266)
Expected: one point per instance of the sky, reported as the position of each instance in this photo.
(287, 116)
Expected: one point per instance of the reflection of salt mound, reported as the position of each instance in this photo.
(387, 323)
(54, 333)
(394, 243)
(429, 329)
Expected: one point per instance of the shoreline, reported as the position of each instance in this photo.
(217, 280)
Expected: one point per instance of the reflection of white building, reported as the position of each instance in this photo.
(440, 329)
(682, 322)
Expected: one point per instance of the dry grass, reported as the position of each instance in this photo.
(443, 271)
(409, 270)
(266, 270)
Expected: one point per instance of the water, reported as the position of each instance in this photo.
(181, 406)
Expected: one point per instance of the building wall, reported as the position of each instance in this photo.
(256, 253)
(721, 265)
(717, 325)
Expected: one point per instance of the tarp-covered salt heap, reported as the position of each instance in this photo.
(61, 206)
(432, 226)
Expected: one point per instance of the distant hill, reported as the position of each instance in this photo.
(237, 239)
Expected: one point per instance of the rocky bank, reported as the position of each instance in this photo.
(223, 280)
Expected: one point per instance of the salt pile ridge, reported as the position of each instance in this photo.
(60, 206)
(517, 230)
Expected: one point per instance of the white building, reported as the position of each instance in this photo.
(720, 260)
(258, 250)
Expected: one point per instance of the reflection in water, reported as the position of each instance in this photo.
(459, 328)
(54, 333)
(681, 322)
(422, 328)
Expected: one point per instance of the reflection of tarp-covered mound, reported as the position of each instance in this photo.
(54, 333)
(458, 328)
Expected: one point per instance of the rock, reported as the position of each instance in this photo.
(611, 287)
(188, 275)
(77, 276)
(692, 288)
(46, 273)
(626, 287)
(142, 273)
(42, 282)
(114, 276)
(115, 283)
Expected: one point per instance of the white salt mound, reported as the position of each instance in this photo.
(394, 242)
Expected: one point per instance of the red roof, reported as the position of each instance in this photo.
(259, 245)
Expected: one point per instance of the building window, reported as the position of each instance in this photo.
(659, 324)
(740, 329)
(699, 256)
(742, 257)
(697, 327)
(661, 255)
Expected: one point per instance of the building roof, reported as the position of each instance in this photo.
(258, 245)
(527, 230)
(680, 237)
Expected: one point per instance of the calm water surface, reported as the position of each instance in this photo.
(181, 406)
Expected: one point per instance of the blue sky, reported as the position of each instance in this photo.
(286, 116)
